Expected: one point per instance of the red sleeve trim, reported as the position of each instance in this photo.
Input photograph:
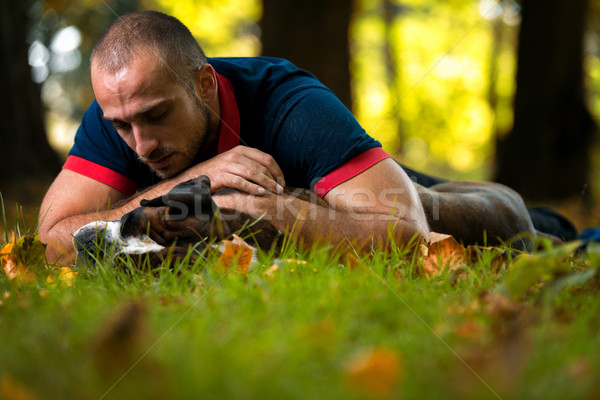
(349, 170)
(101, 174)
(229, 131)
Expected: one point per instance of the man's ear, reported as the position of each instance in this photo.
(205, 83)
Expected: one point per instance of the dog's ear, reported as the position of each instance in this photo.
(188, 198)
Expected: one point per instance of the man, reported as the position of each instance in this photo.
(164, 114)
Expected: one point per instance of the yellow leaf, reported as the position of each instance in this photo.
(235, 252)
(22, 257)
(30, 252)
(65, 275)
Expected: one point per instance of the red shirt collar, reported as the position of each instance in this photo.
(229, 130)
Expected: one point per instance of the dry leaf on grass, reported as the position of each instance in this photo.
(499, 353)
(375, 373)
(235, 252)
(12, 389)
(22, 258)
(443, 252)
(121, 339)
(292, 265)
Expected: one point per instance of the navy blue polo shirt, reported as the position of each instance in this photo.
(266, 103)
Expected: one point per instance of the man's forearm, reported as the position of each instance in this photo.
(313, 222)
(361, 229)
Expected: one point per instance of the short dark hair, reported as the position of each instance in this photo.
(151, 31)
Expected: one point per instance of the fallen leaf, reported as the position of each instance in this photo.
(289, 265)
(22, 257)
(12, 389)
(65, 275)
(270, 273)
(470, 330)
(443, 252)
(375, 373)
(121, 339)
(8, 246)
(236, 253)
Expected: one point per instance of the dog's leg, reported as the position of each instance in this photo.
(478, 213)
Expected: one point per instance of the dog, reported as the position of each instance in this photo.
(472, 212)
(167, 225)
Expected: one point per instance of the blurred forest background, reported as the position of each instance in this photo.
(501, 90)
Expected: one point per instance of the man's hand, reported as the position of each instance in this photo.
(376, 208)
(243, 168)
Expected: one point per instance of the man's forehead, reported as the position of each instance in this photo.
(134, 89)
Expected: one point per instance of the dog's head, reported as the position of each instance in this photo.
(185, 216)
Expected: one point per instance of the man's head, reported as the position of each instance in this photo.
(151, 79)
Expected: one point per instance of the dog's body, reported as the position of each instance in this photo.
(474, 213)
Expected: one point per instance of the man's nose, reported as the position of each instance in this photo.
(145, 143)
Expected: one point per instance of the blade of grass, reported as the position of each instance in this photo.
(4, 219)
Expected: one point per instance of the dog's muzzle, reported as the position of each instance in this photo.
(103, 238)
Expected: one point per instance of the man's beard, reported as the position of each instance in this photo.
(187, 155)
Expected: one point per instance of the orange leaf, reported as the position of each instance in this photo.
(375, 372)
(21, 257)
(12, 389)
(270, 273)
(8, 246)
(443, 252)
(235, 252)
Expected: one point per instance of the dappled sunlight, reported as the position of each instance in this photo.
(223, 28)
(441, 87)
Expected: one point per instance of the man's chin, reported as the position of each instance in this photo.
(165, 173)
(168, 171)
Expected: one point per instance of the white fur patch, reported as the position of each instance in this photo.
(112, 236)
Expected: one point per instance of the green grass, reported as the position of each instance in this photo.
(192, 332)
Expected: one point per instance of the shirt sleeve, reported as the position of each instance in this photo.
(315, 135)
(349, 170)
(100, 153)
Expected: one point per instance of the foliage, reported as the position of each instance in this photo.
(318, 324)
(437, 102)
(435, 111)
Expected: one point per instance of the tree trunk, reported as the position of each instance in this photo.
(25, 148)
(313, 34)
(547, 154)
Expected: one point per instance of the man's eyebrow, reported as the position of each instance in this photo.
(149, 108)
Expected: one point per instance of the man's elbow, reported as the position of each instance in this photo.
(412, 228)
(59, 248)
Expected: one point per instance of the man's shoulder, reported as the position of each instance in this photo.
(261, 70)
(250, 63)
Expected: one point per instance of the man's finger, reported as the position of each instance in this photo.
(265, 160)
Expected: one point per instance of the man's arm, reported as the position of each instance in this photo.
(74, 200)
(364, 210)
